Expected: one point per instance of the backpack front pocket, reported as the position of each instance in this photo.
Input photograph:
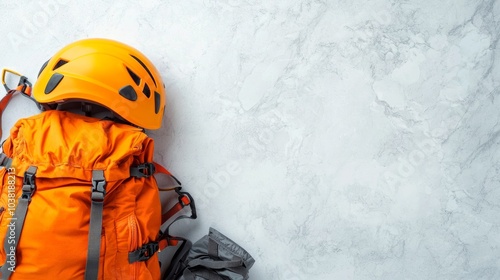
(128, 240)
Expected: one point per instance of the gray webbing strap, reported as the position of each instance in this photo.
(215, 264)
(17, 222)
(213, 248)
(95, 228)
(177, 261)
(5, 160)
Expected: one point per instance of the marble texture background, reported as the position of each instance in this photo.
(331, 139)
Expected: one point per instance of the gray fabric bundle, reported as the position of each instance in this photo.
(215, 257)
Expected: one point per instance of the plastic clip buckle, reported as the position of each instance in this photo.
(28, 185)
(147, 169)
(98, 190)
(145, 252)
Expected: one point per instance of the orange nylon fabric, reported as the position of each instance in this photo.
(66, 148)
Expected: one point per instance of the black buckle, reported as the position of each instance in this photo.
(24, 84)
(98, 186)
(29, 183)
(147, 169)
(144, 253)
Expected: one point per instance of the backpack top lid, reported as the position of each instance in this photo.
(107, 73)
(62, 144)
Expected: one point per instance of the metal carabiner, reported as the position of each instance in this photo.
(23, 86)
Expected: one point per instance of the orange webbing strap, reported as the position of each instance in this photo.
(164, 243)
(160, 169)
(184, 199)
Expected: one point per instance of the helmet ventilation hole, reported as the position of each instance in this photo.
(157, 102)
(128, 92)
(146, 90)
(134, 76)
(54, 80)
(59, 63)
(145, 67)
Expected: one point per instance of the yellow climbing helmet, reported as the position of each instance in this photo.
(108, 73)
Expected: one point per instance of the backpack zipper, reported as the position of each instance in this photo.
(132, 224)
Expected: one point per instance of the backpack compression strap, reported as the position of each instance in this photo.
(96, 208)
(17, 222)
(148, 169)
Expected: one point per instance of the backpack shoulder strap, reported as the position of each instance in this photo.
(164, 238)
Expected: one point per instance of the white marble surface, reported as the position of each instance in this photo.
(332, 139)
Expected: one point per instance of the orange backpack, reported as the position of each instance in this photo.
(78, 200)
